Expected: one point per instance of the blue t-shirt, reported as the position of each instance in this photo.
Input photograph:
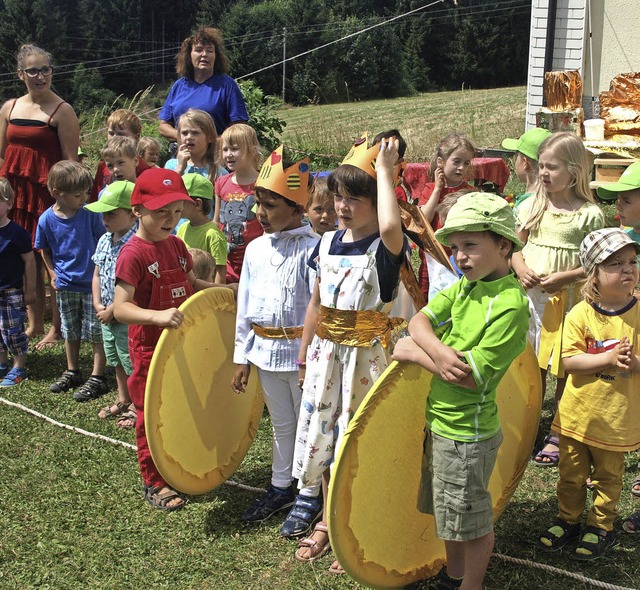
(14, 242)
(219, 96)
(388, 265)
(72, 243)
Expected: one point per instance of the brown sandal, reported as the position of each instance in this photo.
(316, 550)
(128, 419)
(108, 411)
(336, 569)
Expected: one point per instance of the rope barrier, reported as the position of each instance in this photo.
(556, 570)
(524, 562)
(108, 439)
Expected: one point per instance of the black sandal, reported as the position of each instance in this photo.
(594, 543)
(160, 496)
(558, 535)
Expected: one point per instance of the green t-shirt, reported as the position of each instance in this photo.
(205, 237)
(488, 321)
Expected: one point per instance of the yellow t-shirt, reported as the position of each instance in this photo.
(602, 409)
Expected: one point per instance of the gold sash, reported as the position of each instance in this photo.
(277, 333)
(356, 328)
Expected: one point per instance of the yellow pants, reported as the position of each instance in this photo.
(606, 468)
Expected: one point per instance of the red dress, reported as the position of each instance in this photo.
(32, 148)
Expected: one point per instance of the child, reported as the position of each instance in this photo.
(627, 194)
(197, 146)
(120, 223)
(320, 209)
(597, 417)
(552, 224)
(240, 153)
(204, 265)
(149, 151)
(121, 122)
(526, 163)
(67, 235)
(17, 263)
(273, 294)
(151, 261)
(467, 336)
(200, 232)
(358, 271)
(121, 159)
(449, 172)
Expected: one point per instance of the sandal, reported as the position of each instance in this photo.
(160, 496)
(632, 524)
(315, 549)
(336, 569)
(594, 543)
(558, 535)
(109, 411)
(548, 458)
(127, 419)
(635, 486)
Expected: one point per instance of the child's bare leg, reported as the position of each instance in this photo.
(550, 447)
(19, 361)
(477, 554)
(72, 350)
(35, 311)
(99, 359)
(320, 537)
(54, 335)
(455, 558)
(121, 382)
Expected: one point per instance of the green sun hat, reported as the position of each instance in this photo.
(629, 181)
(198, 186)
(476, 212)
(116, 195)
(528, 143)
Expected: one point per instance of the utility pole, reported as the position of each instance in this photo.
(284, 61)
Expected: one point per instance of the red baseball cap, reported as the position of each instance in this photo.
(158, 187)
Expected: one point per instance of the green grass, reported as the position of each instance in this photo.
(72, 517)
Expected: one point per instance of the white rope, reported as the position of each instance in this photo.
(108, 439)
(525, 562)
(555, 570)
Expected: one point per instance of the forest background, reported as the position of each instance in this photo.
(110, 48)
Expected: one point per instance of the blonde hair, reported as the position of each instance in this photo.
(68, 176)
(449, 201)
(321, 191)
(204, 122)
(6, 191)
(127, 119)
(590, 291)
(29, 49)
(570, 150)
(246, 139)
(446, 147)
(147, 142)
(204, 264)
(119, 146)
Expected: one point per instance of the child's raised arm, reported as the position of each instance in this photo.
(388, 212)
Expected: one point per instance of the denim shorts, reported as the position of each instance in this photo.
(454, 485)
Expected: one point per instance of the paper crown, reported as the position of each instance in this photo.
(364, 157)
(292, 183)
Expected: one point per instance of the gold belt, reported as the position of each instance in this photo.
(278, 333)
(356, 328)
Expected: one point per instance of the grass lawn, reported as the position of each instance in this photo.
(71, 514)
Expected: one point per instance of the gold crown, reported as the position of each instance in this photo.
(292, 183)
(364, 157)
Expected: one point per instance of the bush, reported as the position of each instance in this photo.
(263, 116)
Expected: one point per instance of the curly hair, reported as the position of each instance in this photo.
(203, 36)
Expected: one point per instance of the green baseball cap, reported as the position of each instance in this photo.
(528, 143)
(198, 186)
(629, 181)
(116, 195)
(476, 212)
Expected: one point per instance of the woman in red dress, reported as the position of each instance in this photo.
(36, 131)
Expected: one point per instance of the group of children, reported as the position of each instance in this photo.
(314, 304)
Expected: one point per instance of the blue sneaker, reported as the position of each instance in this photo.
(14, 377)
(272, 501)
(302, 516)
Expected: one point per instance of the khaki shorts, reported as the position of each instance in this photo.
(454, 485)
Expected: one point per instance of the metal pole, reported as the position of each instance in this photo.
(284, 61)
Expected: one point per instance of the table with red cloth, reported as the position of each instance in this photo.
(494, 170)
